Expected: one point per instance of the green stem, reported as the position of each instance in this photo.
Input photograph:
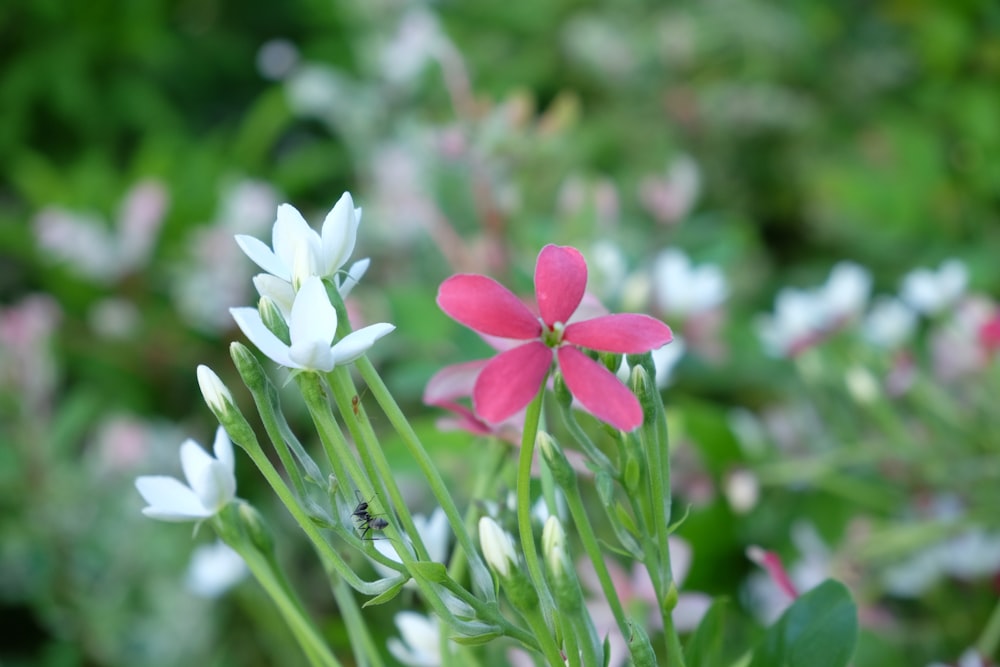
(990, 636)
(593, 549)
(545, 639)
(525, 533)
(270, 579)
(481, 579)
(356, 627)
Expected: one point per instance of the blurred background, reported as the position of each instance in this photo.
(704, 155)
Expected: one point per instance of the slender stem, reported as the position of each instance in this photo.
(525, 533)
(990, 636)
(481, 579)
(360, 637)
(546, 641)
(270, 579)
(593, 549)
(487, 479)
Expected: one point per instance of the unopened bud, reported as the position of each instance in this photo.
(498, 548)
(271, 315)
(255, 528)
(215, 393)
(562, 471)
(640, 647)
(562, 576)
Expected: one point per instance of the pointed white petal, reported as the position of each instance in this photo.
(314, 319)
(215, 486)
(194, 461)
(223, 448)
(263, 257)
(290, 230)
(353, 277)
(249, 322)
(355, 344)
(340, 230)
(169, 499)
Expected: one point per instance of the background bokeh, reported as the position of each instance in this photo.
(769, 139)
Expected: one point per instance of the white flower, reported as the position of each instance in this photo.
(665, 358)
(434, 533)
(889, 323)
(311, 328)
(846, 291)
(215, 393)
(497, 545)
(214, 569)
(298, 251)
(798, 315)
(931, 292)
(421, 643)
(684, 289)
(211, 483)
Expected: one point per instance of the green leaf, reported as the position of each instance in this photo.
(704, 648)
(435, 572)
(819, 630)
(387, 595)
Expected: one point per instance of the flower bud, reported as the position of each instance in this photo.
(255, 528)
(271, 315)
(640, 647)
(562, 471)
(498, 548)
(215, 393)
(562, 576)
(562, 393)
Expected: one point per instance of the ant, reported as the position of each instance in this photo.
(368, 522)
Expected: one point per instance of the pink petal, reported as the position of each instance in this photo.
(560, 281)
(464, 419)
(486, 306)
(626, 333)
(451, 382)
(510, 380)
(598, 390)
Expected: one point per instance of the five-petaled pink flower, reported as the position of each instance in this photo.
(512, 378)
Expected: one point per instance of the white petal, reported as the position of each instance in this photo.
(354, 345)
(194, 462)
(261, 255)
(290, 230)
(314, 319)
(223, 448)
(312, 355)
(169, 499)
(214, 568)
(434, 531)
(215, 486)
(340, 231)
(249, 322)
(353, 277)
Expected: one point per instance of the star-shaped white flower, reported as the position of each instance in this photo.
(311, 327)
(298, 251)
(211, 483)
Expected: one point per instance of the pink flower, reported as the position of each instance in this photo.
(511, 379)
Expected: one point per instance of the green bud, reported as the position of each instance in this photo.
(644, 388)
(562, 393)
(632, 475)
(248, 367)
(611, 360)
(640, 647)
(670, 599)
(273, 319)
(520, 591)
(605, 487)
(562, 575)
(562, 471)
(255, 528)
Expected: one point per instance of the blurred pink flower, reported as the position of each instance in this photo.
(511, 379)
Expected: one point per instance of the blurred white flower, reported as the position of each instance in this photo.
(889, 323)
(211, 483)
(276, 58)
(89, 248)
(418, 41)
(798, 315)
(434, 533)
(682, 289)
(971, 658)
(214, 569)
(665, 358)
(311, 328)
(969, 555)
(845, 293)
(931, 292)
(421, 640)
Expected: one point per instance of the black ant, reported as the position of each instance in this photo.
(368, 522)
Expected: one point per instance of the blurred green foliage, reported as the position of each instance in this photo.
(820, 131)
